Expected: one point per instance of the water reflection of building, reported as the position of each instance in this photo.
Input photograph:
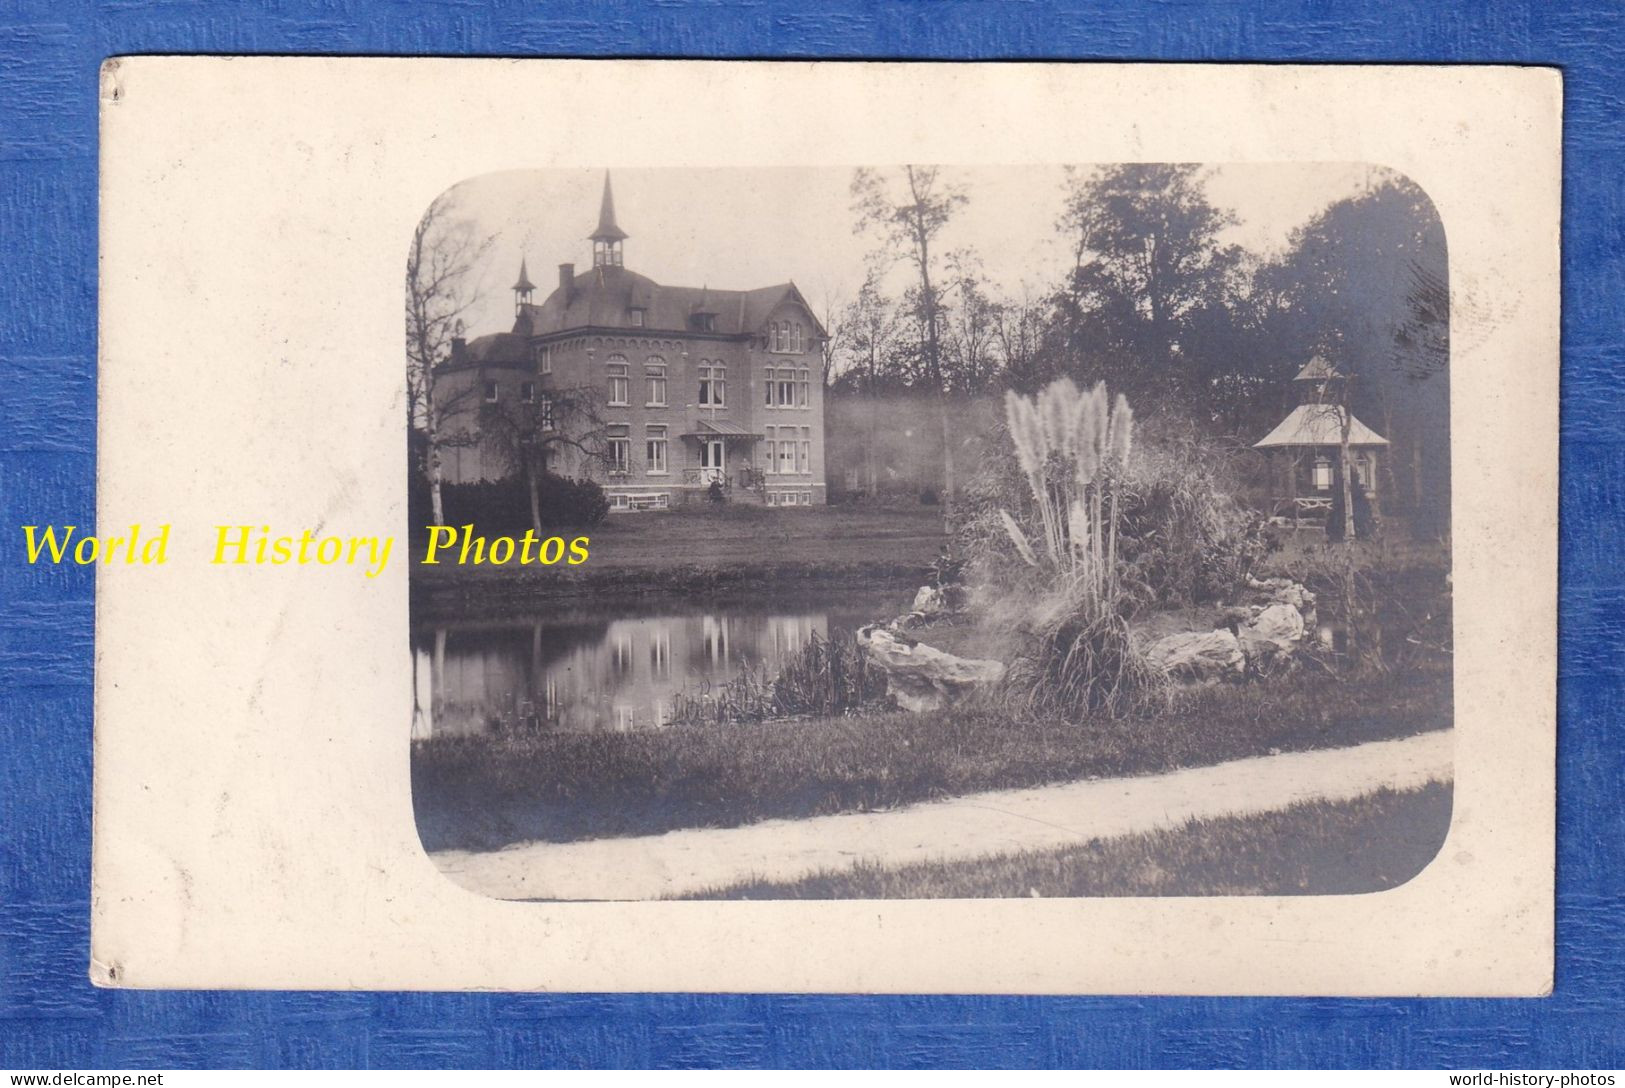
(620, 675)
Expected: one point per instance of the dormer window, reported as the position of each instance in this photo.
(637, 316)
(705, 322)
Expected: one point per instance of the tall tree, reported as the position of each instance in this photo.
(1365, 283)
(871, 323)
(1147, 258)
(440, 289)
(971, 362)
(908, 214)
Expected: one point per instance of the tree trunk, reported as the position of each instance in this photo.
(1345, 474)
(535, 497)
(435, 505)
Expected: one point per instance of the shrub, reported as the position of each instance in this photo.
(503, 506)
(1183, 538)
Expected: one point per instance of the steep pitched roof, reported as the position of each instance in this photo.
(605, 297)
(1319, 425)
(497, 349)
(1317, 369)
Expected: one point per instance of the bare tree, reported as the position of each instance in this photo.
(530, 437)
(833, 317)
(971, 327)
(446, 249)
(909, 218)
(871, 325)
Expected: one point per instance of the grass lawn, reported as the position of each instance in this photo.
(481, 793)
(702, 550)
(1319, 848)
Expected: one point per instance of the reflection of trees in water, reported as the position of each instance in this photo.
(617, 674)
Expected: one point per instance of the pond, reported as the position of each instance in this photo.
(600, 665)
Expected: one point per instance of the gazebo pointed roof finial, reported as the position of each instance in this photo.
(608, 230)
(1317, 369)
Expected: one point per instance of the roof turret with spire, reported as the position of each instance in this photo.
(607, 239)
(522, 289)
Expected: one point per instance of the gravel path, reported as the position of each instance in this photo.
(976, 825)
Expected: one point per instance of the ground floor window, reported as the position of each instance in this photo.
(789, 498)
(630, 500)
(620, 450)
(655, 450)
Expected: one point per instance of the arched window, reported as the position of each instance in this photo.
(795, 345)
(620, 380)
(654, 370)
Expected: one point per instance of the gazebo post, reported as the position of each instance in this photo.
(1292, 485)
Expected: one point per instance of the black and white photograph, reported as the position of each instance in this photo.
(930, 531)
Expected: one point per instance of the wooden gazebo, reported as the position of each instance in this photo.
(1309, 442)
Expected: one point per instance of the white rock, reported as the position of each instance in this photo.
(921, 677)
(1203, 656)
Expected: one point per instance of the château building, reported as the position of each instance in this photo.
(691, 386)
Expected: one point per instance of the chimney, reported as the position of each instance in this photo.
(567, 279)
(459, 348)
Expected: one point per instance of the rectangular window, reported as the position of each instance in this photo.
(804, 454)
(767, 383)
(804, 390)
(787, 458)
(637, 317)
(527, 392)
(787, 388)
(547, 412)
(619, 384)
(657, 386)
(544, 359)
(655, 449)
(1323, 474)
(712, 386)
(768, 450)
(490, 392)
(620, 450)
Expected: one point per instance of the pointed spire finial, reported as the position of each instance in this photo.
(523, 283)
(607, 230)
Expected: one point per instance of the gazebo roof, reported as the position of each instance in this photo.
(1318, 370)
(1319, 425)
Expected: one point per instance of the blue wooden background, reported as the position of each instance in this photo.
(51, 1017)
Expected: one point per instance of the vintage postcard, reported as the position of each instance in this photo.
(830, 527)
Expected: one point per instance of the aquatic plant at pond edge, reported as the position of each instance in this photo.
(827, 676)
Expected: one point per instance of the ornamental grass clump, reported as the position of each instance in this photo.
(1073, 448)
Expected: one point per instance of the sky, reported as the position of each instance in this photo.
(738, 228)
